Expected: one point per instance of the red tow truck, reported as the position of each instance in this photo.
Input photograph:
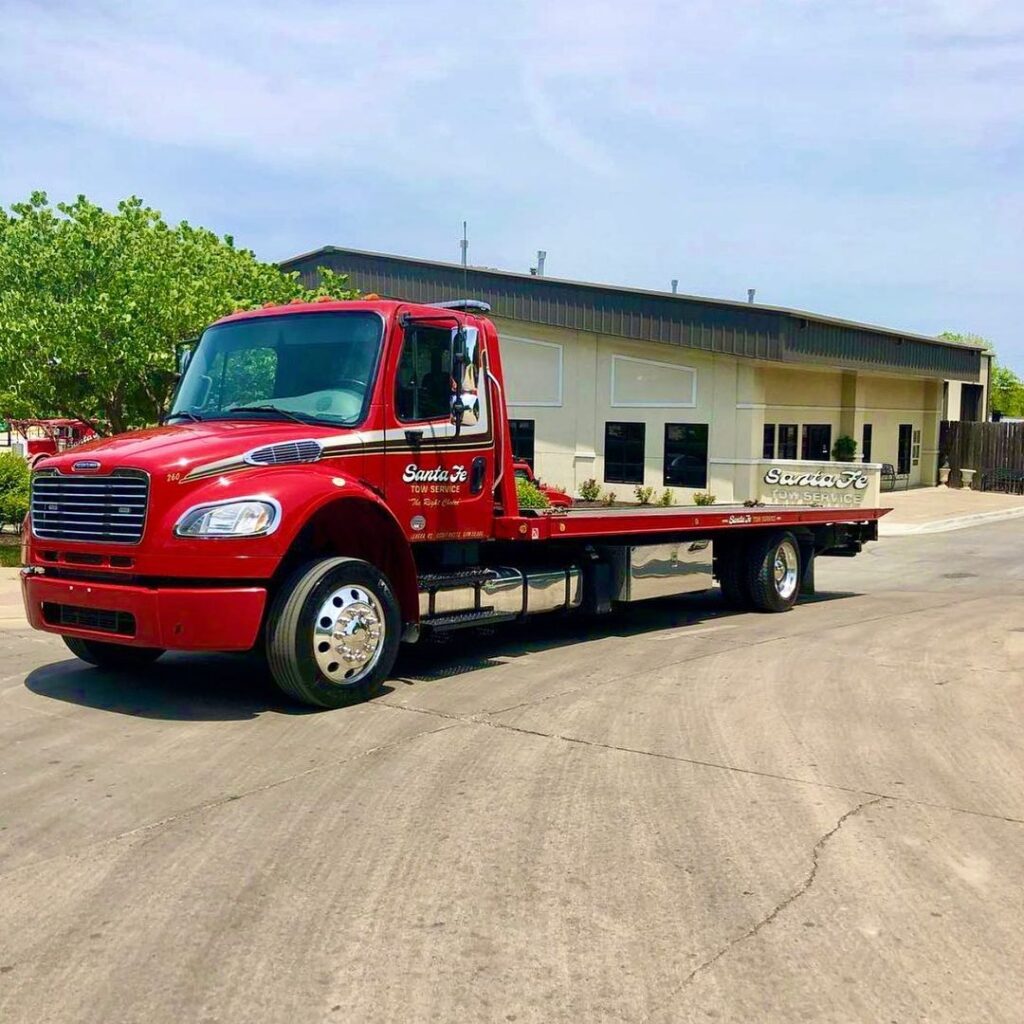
(44, 437)
(335, 478)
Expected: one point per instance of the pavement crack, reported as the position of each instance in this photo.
(787, 901)
(490, 723)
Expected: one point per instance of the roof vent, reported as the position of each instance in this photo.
(465, 305)
(285, 453)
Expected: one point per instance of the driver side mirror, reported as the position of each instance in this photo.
(458, 370)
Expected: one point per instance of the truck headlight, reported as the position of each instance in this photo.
(241, 517)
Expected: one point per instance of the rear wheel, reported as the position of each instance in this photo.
(773, 572)
(333, 633)
(119, 657)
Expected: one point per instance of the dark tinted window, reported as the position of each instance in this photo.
(768, 445)
(522, 432)
(686, 454)
(624, 453)
(787, 440)
(424, 387)
(865, 446)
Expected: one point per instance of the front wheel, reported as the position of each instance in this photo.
(119, 657)
(333, 633)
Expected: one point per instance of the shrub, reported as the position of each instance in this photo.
(666, 498)
(14, 483)
(703, 498)
(609, 497)
(590, 490)
(643, 494)
(845, 449)
(530, 496)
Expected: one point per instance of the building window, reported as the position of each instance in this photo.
(903, 451)
(865, 443)
(817, 442)
(522, 432)
(624, 453)
(768, 445)
(787, 440)
(915, 450)
(686, 455)
(424, 385)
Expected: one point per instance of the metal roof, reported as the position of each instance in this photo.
(750, 330)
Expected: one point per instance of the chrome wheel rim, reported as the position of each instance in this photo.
(787, 562)
(348, 637)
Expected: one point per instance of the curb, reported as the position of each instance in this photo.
(948, 525)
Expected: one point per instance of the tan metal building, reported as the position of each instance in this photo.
(640, 388)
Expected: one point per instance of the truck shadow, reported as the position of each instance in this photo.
(477, 649)
(236, 687)
(179, 687)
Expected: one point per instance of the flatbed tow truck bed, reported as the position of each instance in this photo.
(581, 523)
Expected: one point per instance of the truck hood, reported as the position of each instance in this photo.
(182, 447)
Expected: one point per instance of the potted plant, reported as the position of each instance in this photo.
(845, 449)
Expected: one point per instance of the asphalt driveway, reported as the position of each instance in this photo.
(682, 815)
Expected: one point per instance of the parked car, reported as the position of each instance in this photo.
(558, 499)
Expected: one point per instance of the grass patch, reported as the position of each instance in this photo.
(10, 555)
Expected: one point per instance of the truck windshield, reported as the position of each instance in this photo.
(305, 366)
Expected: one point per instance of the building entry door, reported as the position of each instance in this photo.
(817, 442)
(903, 451)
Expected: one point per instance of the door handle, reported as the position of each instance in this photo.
(477, 474)
(414, 436)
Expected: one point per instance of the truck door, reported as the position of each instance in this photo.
(439, 473)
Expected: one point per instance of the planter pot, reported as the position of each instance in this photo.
(944, 477)
(967, 477)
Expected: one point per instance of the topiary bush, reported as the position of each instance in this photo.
(845, 449)
(14, 484)
(590, 490)
(529, 495)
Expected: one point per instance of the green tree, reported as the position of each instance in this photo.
(1007, 391)
(93, 302)
(14, 483)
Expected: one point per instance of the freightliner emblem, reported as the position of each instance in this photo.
(84, 465)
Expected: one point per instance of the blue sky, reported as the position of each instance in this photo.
(853, 157)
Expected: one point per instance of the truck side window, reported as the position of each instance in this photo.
(424, 387)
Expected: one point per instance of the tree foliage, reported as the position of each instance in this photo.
(14, 484)
(93, 302)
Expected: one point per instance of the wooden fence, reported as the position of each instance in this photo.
(994, 450)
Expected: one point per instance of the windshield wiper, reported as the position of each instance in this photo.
(268, 408)
(194, 417)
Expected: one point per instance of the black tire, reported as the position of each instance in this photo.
(774, 585)
(119, 657)
(298, 667)
(731, 566)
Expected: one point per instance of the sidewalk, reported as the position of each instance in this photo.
(941, 509)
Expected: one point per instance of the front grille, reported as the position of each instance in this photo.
(109, 509)
(284, 453)
(99, 620)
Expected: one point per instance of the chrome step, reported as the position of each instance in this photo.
(463, 620)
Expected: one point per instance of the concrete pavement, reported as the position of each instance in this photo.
(681, 815)
(944, 509)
